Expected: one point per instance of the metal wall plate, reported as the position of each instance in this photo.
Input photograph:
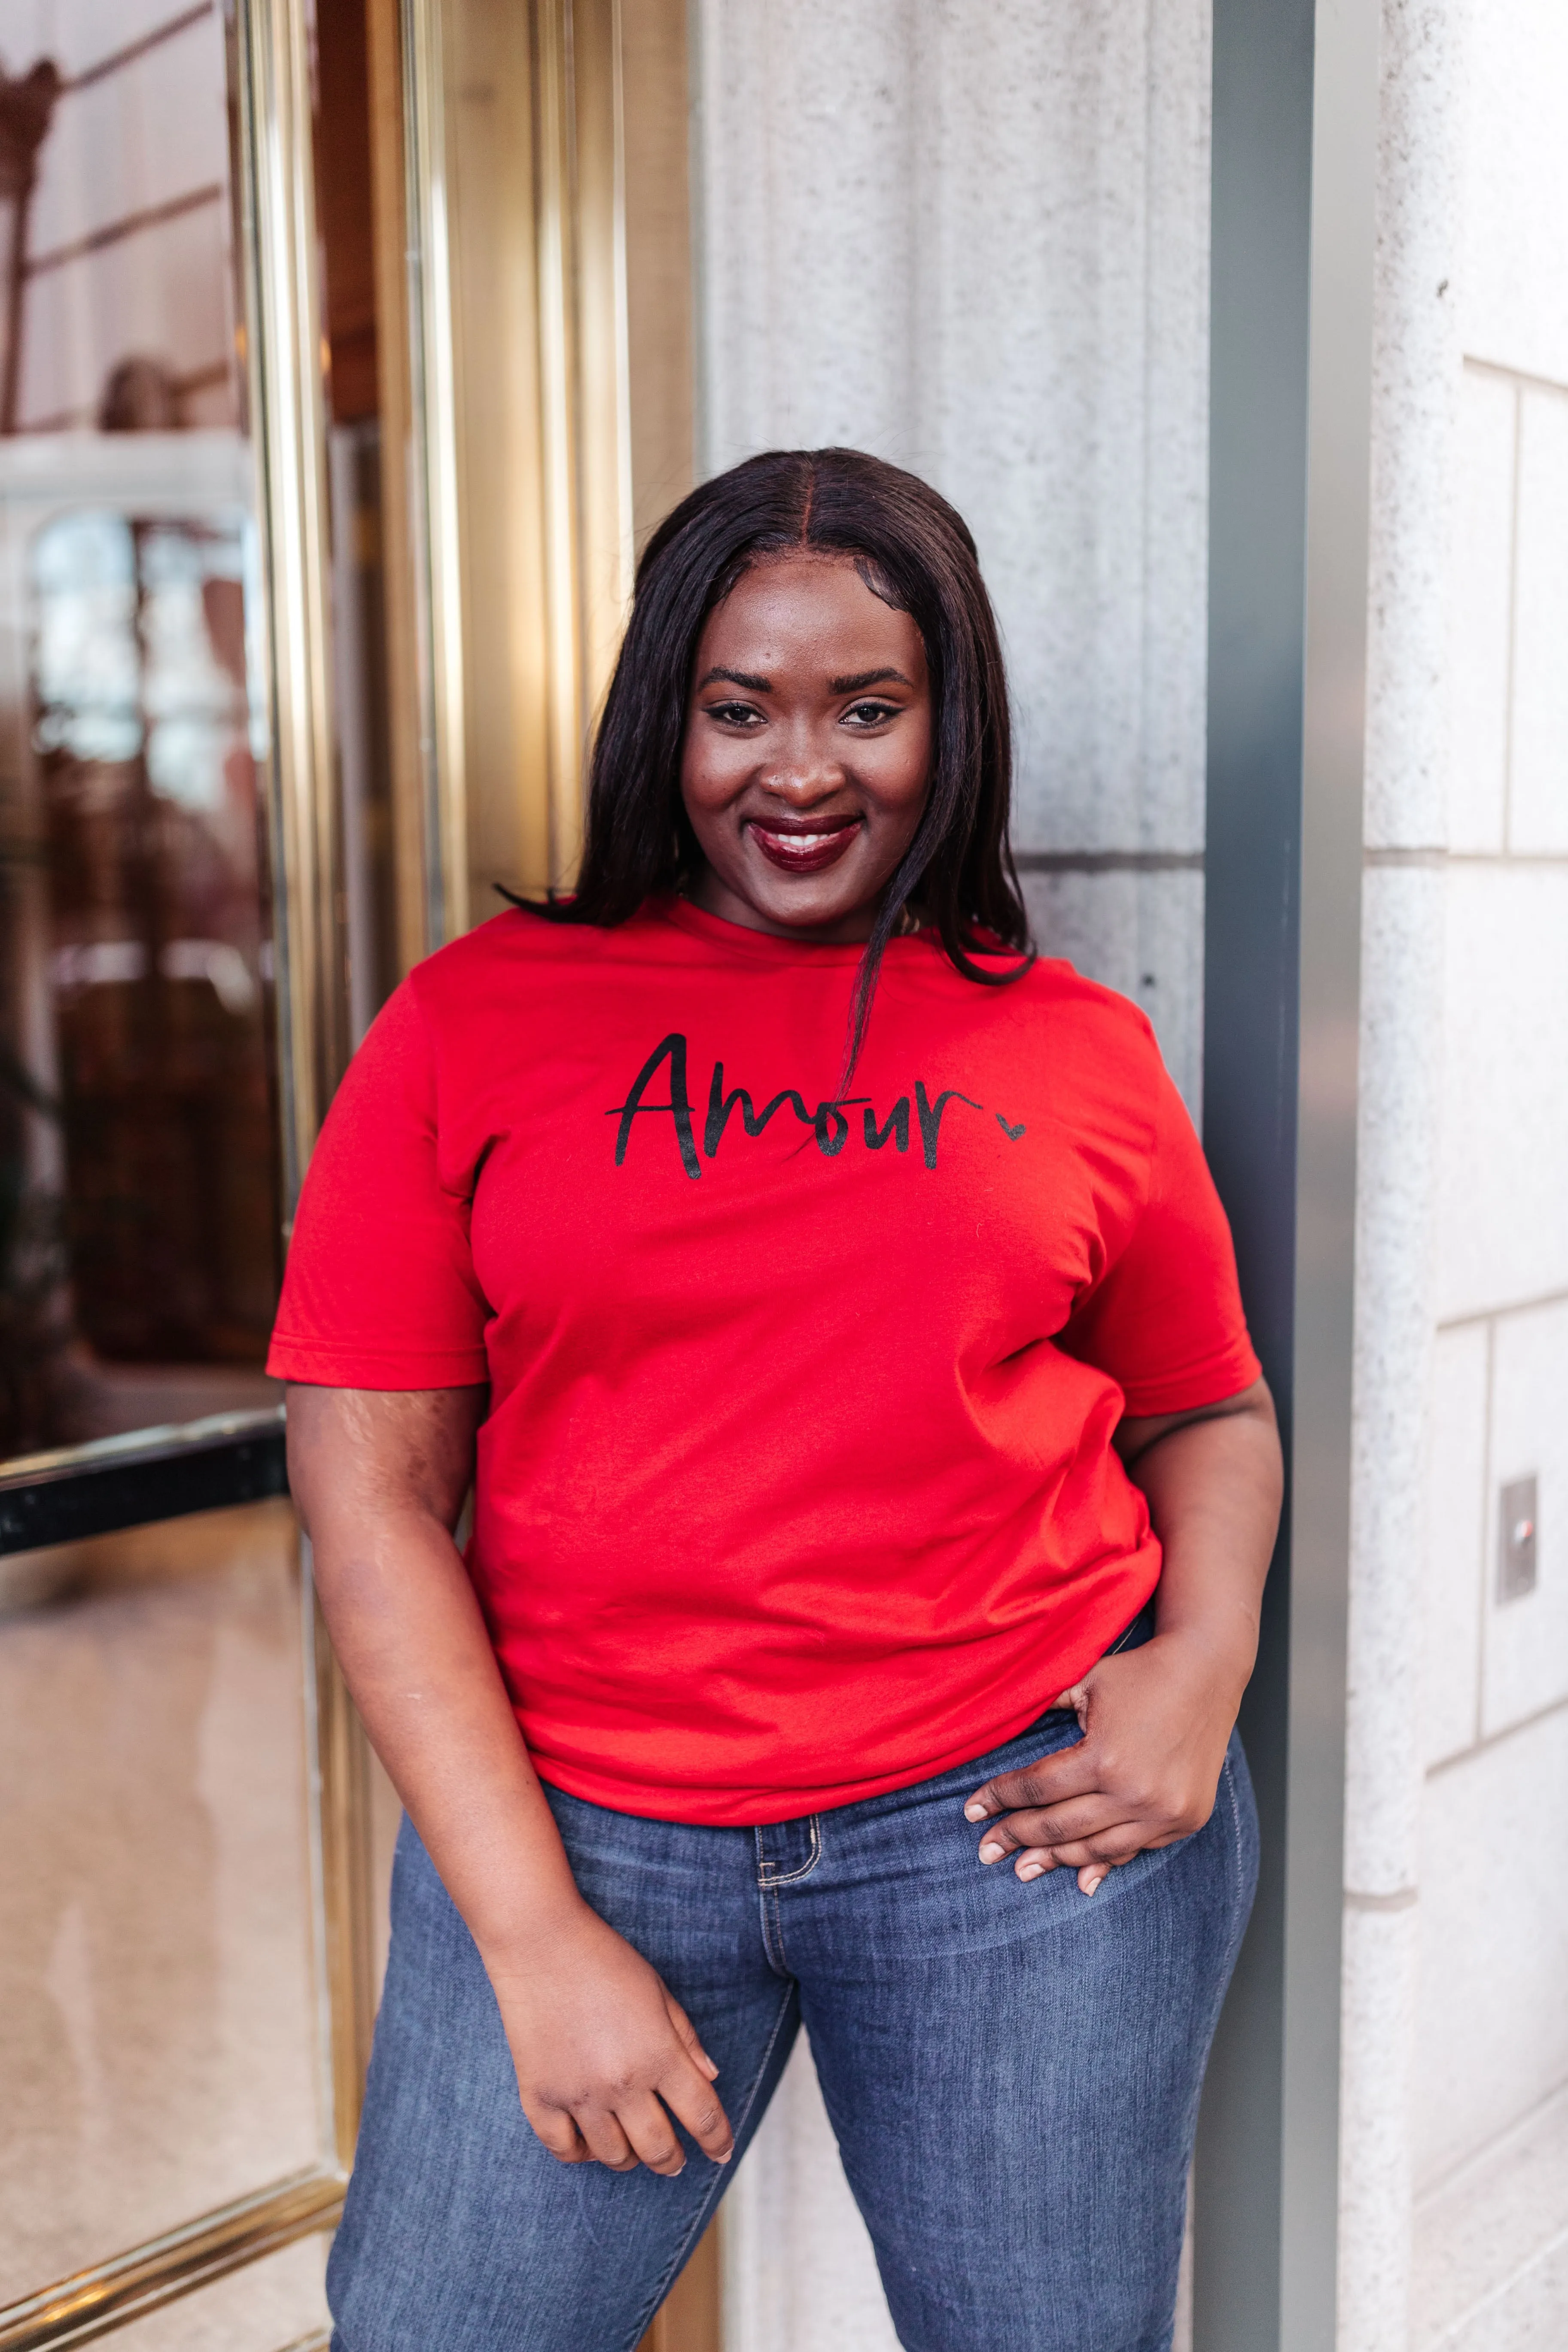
(1518, 1531)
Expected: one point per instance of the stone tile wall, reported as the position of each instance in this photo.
(1454, 2210)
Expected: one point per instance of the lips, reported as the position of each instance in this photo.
(805, 848)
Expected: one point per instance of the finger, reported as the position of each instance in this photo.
(1071, 1772)
(688, 2033)
(692, 2100)
(652, 2135)
(1058, 1825)
(1108, 1851)
(555, 2130)
(1036, 1860)
(607, 2143)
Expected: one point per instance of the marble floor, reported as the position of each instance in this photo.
(158, 2035)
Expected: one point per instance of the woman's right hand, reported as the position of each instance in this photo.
(598, 2043)
(379, 1478)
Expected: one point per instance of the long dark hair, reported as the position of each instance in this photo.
(915, 551)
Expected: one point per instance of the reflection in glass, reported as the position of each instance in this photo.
(155, 962)
(139, 1208)
(279, 2302)
(157, 2016)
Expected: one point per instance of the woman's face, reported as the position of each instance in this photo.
(807, 753)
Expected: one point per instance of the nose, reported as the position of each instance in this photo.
(805, 769)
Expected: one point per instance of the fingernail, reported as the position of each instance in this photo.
(1031, 1869)
(1097, 1885)
(974, 1810)
(991, 1852)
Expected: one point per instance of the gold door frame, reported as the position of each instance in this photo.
(562, 449)
(283, 307)
(275, 191)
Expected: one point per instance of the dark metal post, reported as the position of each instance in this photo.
(1295, 123)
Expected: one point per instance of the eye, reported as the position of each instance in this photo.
(734, 714)
(871, 714)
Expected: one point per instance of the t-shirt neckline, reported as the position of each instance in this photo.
(760, 947)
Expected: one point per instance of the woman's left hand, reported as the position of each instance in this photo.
(1156, 1722)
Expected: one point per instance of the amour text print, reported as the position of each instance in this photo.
(829, 1121)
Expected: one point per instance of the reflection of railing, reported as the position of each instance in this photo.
(133, 1481)
(78, 2309)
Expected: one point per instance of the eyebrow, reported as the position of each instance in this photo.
(857, 684)
(865, 677)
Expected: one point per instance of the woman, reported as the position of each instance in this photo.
(831, 1310)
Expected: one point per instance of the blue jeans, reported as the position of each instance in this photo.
(1012, 2071)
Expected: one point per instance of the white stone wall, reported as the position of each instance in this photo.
(976, 242)
(1456, 2152)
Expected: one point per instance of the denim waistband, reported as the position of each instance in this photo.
(1133, 1636)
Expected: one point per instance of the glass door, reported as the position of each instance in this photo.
(186, 1951)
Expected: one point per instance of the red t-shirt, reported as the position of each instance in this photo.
(796, 1483)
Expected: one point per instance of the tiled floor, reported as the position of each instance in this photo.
(1491, 2245)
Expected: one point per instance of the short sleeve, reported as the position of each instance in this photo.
(1164, 1319)
(380, 1291)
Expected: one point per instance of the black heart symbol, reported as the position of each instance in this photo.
(1008, 1129)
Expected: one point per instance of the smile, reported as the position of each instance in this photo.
(804, 850)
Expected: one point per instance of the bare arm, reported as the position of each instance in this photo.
(1157, 1719)
(379, 1478)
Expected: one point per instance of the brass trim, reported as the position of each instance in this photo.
(656, 210)
(88, 2304)
(434, 518)
(584, 399)
(341, 1855)
(284, 358)
(389, 186)
(558, 420)
(289, 410)
(506, 744)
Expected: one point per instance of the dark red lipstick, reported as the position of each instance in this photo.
(804, 845)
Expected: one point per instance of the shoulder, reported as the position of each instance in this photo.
(509, 941)
(1054, 997)
(518, 952)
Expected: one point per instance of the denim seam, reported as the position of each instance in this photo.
(1233, 1946)
(773, 1927)
(720, 2181)
(1190, 2121)
(768, 1877)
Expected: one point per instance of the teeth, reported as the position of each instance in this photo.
(804, 840)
